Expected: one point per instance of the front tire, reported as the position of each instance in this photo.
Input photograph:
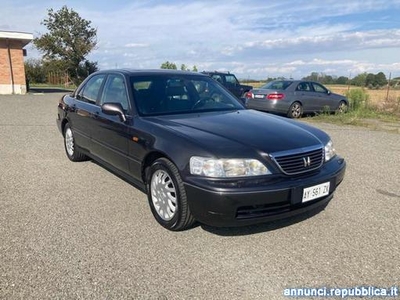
(295, 110)
(167, 196)
(70, 147)
(342, 107)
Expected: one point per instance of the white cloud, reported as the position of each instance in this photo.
(322, 62)
(296, 63)
(136, 45)
(257, 38)
(353, 40)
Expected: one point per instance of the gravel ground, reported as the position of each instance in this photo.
(65, 234)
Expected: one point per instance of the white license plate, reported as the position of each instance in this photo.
(316, 191)
(259, 96)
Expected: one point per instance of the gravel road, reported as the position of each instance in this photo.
(65, 234)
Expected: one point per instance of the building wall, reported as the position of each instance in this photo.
(17, 60)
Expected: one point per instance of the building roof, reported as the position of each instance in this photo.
(23, 37)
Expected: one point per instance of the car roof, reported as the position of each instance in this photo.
(294, 80)
(149, 72)
(290, 80)
(216, 72)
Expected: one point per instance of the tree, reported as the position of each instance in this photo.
(342, 80)
(34, 71)
(326, 79)
(168, 65)
(172, 66)
(69, 39)
(86, 68)
(313, 77)
(380, 79)
(370, 80)
(359, 80)
(376, 81)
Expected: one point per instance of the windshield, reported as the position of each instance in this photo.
(171, 94)
(277, 85)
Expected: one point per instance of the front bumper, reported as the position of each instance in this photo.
(60, 116)
(58, 121)
(261, 201)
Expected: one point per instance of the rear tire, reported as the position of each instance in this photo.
(295, 110)
(167, 196)
(70, 147)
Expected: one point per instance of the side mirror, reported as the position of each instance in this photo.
(329, 92)
(114, 109)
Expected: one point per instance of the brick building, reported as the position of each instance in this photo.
(12, 70)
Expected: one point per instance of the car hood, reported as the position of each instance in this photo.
(230, 131)
(338, 96)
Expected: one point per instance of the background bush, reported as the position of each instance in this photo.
(358, 99)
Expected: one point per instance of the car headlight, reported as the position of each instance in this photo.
(226, 167)
(330, 152)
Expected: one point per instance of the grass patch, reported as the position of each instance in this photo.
(51, 86)
(356, 117)
(362, 112)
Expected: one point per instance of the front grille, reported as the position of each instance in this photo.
(299, 161)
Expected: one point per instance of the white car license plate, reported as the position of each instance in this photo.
(316, 191)
(259, 96)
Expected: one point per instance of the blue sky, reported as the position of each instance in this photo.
(254, 39)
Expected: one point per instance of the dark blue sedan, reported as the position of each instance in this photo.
(195, 150)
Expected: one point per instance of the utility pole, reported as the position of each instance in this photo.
(388, 87)
(348, 82)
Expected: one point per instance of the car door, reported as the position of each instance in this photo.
(322, 99)
(110, 134)
(81, 120)
(304, 94)
(233, 85)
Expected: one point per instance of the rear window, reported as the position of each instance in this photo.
(277, 85)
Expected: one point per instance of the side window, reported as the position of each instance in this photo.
(303, 86)
(319, 88)
(231, 80)
(115, 91)
(217, 78)
(90, 91)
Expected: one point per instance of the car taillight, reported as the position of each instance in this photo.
(275, 96)
(249, 95)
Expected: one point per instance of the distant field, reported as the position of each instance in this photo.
(377, 97)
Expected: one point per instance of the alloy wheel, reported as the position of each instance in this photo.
(296, 110)
(342, 107)
(69, 142)
(163, 195)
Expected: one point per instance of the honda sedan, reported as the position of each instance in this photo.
(196, 152)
